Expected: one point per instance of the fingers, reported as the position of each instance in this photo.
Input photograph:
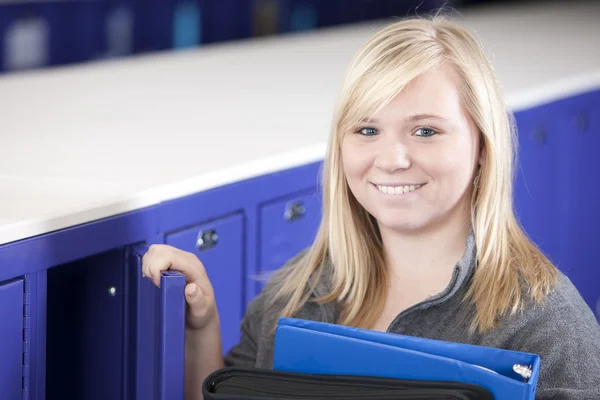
(163, 257)
(154, 262)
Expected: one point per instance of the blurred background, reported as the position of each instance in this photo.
(36, 34)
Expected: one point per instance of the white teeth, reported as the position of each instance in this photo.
(397, 189)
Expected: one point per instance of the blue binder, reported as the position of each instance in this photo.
(322, 348)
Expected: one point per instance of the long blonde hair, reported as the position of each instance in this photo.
(348, 237)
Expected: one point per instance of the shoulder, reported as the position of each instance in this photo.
(564, 332)
(564, 308)
(562, 314)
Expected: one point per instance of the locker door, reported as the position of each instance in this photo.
(155, 333)
(11, 339)
(539, 200)
(171, 335)
(219, 244)
(582, 127)
(288, 226)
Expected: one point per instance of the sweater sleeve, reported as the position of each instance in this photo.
(566, 336)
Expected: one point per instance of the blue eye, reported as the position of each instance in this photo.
(367, 131)
(426, 132)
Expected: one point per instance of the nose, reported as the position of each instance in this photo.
(392, 156)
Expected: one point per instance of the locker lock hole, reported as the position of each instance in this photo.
(294, 211)
(207, 239)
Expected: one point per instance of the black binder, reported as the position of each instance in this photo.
(234, 383)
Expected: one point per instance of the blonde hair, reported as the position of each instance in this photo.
(348, 237)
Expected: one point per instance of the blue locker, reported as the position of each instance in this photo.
(219, 246)
(287, 226)
(227, 20)
(187, 20)
(275, 17)
(30, 36)
(168, 24)
(11, 333)
(300, 15)
(38, 35)
(266, 15)
(84, 331)
(154, 344)
(153, 30)
(117, 28)
(171, 333)
(82, 29)
(539, 203)
(580, 124)
(337, 12)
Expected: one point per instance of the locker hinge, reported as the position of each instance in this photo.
(26, 335)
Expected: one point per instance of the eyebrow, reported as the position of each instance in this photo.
(411, 118)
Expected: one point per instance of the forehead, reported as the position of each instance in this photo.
(435, 91)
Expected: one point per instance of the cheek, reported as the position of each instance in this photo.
(451, 166)
(459, 168)
(355, 161)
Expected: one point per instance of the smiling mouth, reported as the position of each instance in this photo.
(397, 189)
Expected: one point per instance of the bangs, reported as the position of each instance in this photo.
(382, 80)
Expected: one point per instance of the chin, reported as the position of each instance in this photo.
(405, 224)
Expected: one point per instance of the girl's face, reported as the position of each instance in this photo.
(412, 165)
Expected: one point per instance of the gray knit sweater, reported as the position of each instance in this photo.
(562, 331)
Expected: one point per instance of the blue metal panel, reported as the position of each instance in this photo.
(11, 339)
(29, 36)
(60, 247)
(227, 20)
(154, 333)
(118, 27)
(287, 226)
(171, 345)
(299, 15)
(99, 29)
(187, 28)
(154, 25)
(224, 263)
(249, 195)
(199, 207)
(538, 200)
(140, 330)
(81, 29)
(166, 24)
(34, 358)
(554, 194)
(345, 12)
(581, 125)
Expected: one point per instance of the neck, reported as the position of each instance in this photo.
(425, 258)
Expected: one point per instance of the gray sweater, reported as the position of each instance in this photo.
(563, 331)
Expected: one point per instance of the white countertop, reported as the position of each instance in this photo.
(86, 142)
